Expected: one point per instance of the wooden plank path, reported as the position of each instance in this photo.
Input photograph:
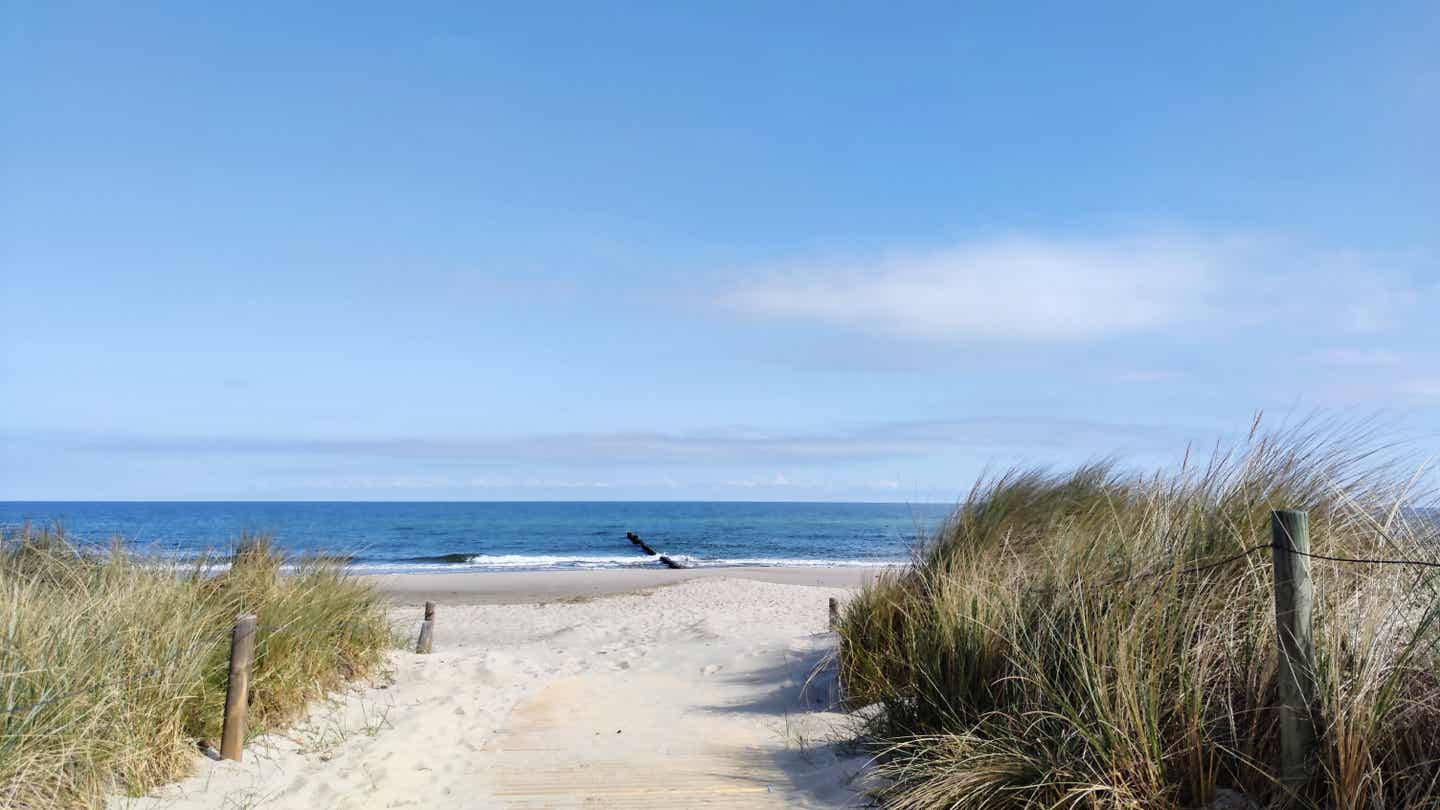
(577, 743)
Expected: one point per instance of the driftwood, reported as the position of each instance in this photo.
(635, 538)
(650, 552)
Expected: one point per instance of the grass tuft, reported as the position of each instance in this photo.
(1008, 669)
(114, 665)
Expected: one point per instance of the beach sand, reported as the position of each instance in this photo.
(574, 689)
(520, 587)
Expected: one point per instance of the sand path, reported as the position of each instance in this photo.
(691, 695)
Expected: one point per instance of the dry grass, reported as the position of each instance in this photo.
(1011, 671)
(155, 642)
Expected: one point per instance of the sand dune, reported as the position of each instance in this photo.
(691, 695)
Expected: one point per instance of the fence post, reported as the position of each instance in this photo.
(237, 691)
(427, 630)
(1294, 600)
(837, 698)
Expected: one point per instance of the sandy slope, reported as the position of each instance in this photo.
(682, 696)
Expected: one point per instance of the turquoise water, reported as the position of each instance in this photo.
(508, 536)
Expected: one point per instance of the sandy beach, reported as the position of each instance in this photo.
(573, 689)
(521, 587)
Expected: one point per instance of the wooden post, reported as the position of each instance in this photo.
(1294, 600)
(838, 698)
(427, 630)
(237, 691)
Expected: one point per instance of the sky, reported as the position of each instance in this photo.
(729, 251)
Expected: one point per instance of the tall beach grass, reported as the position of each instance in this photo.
(1059, 643)
(113, 666)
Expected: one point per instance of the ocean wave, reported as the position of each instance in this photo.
(463, 557)
(521, 560)
(545, 562)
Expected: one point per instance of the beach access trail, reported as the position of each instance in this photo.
(545, 692)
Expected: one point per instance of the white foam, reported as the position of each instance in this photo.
(540, 562)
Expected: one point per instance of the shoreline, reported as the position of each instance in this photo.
(533, 587)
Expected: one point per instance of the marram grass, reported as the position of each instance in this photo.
(112, 666)
(1006, 669)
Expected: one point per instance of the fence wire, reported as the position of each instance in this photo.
(1366, 561)
(1196, 569)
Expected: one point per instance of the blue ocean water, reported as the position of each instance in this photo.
(399, 537)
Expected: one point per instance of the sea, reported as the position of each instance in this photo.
(393, 537)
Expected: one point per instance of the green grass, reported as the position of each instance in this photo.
(1003, 670)
(156, 644)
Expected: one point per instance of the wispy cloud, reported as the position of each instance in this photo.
(735, 444)
(1363, 358)
(1047, 289)
(1143, 376)
(1396, 378)
(406, 482)
(1421, 387)
(760, 485)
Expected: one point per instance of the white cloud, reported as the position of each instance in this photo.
(1043, 289)
(1012, 288)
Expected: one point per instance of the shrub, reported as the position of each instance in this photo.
(1097, 640)
(113, 665)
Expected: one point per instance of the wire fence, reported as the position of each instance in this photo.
(1240, 555)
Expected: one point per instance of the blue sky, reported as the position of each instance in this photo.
(746, 251)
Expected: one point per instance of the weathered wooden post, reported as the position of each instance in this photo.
(1294, 601)
(427, 630)
(837, 698)
(237, 691)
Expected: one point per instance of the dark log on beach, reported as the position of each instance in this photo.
(635, 538)
(650, 552)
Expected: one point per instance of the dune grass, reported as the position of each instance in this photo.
(1006, 668)
(112, 666)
